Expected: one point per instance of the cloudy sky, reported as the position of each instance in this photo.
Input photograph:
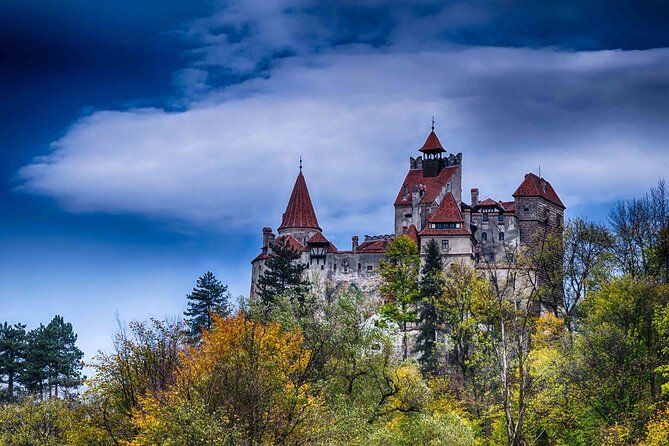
(143, 143)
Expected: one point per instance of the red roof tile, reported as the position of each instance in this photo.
(318, 238)
(432, 144)
(290, 241)
(299, 212)
(509, 206)
(433, 231)
(488, 202)
(447, 212)
(373, 246)
(431, 185)
(533, 186)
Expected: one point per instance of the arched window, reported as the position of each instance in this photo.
(484, 236)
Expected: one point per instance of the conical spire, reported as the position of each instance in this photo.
(299, 212)
(432, 143)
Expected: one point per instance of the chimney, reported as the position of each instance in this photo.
(475, 197)
(354, 240)
(267, 239)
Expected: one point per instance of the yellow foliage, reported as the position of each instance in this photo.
(657, 430)
(250, 380)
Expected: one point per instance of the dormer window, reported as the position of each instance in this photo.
(445, 225)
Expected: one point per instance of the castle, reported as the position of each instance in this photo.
(428, 206)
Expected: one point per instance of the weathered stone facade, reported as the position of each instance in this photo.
(428, 206)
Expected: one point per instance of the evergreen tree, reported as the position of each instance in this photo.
(64, 358)
(209, 297)
(430, 288)
(12, 352)
(52, 360)
(282, 276)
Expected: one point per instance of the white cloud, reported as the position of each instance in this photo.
(593, 120)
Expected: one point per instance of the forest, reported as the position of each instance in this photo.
(563, 343)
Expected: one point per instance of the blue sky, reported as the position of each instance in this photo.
(143, 143)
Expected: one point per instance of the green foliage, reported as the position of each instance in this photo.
(53, 362)
(431, 287)
(282, 277)
(209, 297)
(399, 272)
(12, 354)
(619, 348)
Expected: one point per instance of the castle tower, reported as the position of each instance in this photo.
(299, 220)
(432, 150)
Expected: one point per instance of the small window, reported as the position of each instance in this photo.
(322, 267)
(500, 218)
(526, 209)
(484, 236)
(491, 256)
(359, 266)
(408, 215)
(444, 245)
(501, 236)
(485, 216)
(370, 267)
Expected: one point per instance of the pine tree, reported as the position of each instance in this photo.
(431, 287)
(282, 276)
(52, 360)
(64, 359)
(209, 297)
(12, 354)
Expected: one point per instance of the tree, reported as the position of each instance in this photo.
(399, 272)
(430, 288)
(52, 360)
(12, 354)
(249, 378)
(573, 264)
(143, 362)
(209, 297)
(282, 276)
(620, 348)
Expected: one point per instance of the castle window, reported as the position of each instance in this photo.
(322, 267)
(445, 225)
(491, 257)
(370, 267)
(500, 218)
(408, 215)
(359, 266)
(501, 236)
(484, 236)
(444, 245)
(485, 217)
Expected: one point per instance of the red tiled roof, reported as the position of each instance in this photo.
(432, 144)
(431, 185)
(509, 206)
(433, 231)
(373, 246)
(318, 238)
(261, 256)
(533, 186)
(290, 241)
(487, 202)
(447, 212)
(299, 212)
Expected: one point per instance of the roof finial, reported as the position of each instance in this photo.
(300, 163)
(433, 123)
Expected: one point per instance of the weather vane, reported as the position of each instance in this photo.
(433, 123)
(300, 163)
